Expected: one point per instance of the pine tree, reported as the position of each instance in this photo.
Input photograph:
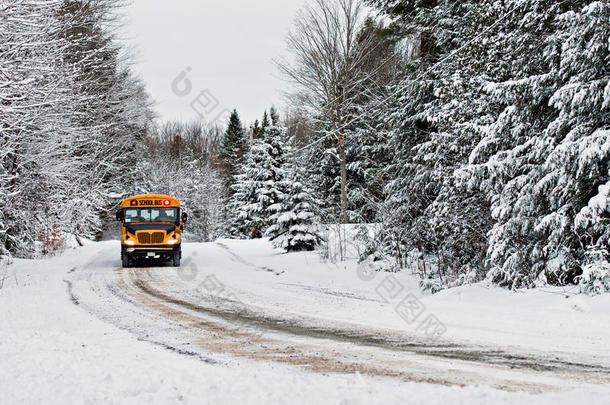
(231, 151)
(293, 222)
(265, 122)
(256, 129)
(418, 122)
(246, 211)
(529, 162)
(503, 156)
(258, 184)
(322, 165)
(577, 170)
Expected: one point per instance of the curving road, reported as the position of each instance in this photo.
(175, 308)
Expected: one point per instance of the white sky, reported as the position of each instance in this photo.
(228, 44)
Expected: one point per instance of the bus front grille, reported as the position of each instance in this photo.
(148, 238)
(144, 238)
(158, 237)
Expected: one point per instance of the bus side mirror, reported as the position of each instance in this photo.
(185, 217)
(119, 215)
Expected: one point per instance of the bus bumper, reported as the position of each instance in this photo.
(151, 252)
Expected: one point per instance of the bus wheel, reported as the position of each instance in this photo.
(176, 259)
(125, 259)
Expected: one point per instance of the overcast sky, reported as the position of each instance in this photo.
(228, 45)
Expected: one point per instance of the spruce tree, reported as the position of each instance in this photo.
(256, 130)
(258, 184)
(540, 159)
(293, 227)
(418, 126)
(265, 122)
(246, 209)
(231, 150)
(584, 159)
(511, 159)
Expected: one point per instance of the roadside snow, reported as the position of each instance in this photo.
(548, 320)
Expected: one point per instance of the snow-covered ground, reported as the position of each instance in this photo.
(72, 331)
(553, 319)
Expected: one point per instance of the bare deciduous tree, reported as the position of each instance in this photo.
(330, 55)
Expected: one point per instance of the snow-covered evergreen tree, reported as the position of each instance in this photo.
(265, 122)
(576, 178)
(420, 123)
(246, 212)
(293, 226)
(258, 184)
(542, 159)
(256, 129)
(231, 150)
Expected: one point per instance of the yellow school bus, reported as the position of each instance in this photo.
(151, 228)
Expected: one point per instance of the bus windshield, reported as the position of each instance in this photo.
(136, 215)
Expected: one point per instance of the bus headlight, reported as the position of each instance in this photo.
(172, 242)
(130, 242)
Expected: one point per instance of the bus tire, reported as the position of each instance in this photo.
(126, 261)
(176, 259)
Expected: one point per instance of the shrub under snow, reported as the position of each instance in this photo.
(595, 278)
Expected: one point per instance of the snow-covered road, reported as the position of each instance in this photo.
(240, 322)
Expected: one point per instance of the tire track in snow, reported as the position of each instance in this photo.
(247, 263)
(323, 350)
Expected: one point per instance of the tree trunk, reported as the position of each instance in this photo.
(344, 217)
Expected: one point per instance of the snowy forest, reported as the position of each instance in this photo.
(474, 135)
